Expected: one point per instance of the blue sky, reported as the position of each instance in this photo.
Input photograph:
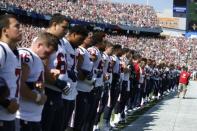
(159, 5)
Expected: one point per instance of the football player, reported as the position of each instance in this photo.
(10, 67)
(32, 96)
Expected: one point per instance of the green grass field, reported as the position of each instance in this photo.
(137, 114)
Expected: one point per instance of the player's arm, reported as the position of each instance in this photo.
(52, 78)
(126, 69)
(93, 54)
(113, 64)
(105, 75)
(80, 60)
(188, 78)
(26, 92)
(27, 87)
(4, 90)
(50, 75)
(10, 105)
(94, 57)
(4, 94)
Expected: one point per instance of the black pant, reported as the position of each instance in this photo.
(102, 103)
(7, 125)
(82, 107)
(136, 95)
(114, 93)
(52, 114)
(95, 96)
(147, 88)
(164, 84)
(68, 111)
(144, 89)
(142, 92)
(170, 83)
(131, 95)
(156, 87)
(151, 85)
(124, 96)
(30, 126)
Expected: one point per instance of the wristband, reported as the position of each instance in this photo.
(5, 103)
(61, 84)
(38, 97)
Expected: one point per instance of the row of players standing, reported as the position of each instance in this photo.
(70, 80)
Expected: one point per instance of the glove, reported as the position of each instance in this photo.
(116, 77)
(117, 85)
(91, 82)
(4, 90)
(13, 106)
(66, 89)
(63, 86)
(72, 75)
(98, 73)
(87, 74)
(107, 86)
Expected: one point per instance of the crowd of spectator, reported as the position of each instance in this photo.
(29, 32)
(99, 12)
(171, 49)
(176, 50)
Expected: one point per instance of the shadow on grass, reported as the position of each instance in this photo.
(148, 118)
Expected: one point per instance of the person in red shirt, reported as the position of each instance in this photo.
(136, 61)
(136, 90)
(183, 82)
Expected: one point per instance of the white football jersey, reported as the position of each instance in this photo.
(142, 76)
(71, 65)
(58, 60)
(116, 68)
(10, 70)
(107, 69)
(106, 59)
(28, 110)
(127, 74)
(121, 68)
(98, 65)
(110, 69)
(88, 66)
(147, 71)
(71, 55)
